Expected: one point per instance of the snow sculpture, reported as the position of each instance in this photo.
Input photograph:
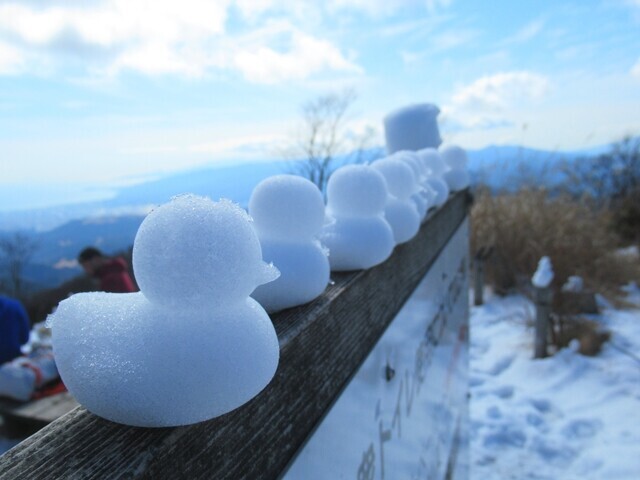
(357, 234)
(288, 214)
(573, 284)
(413, 127)
(433, 162)
(191, 345)
(400, 211)
(455, 158)
(421, 198)
(543, 276)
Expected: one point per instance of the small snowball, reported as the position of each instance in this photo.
(573, 284)
(412, 128)
(285, 206)
(289, 214)
(413, 161)
(401, 213)
(432, 160)
(401, 181)
(356, 190)
(441, 190)
(357, 243)
(193, 252)
(543, 276)
(454, 156)
(355, 231)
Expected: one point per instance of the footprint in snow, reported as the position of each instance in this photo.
(501, 365)
(504, 392)
(541, 405)
(581, 429)
(505, 436)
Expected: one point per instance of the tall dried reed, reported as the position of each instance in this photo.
(525, 225)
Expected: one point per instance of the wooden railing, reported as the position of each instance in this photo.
(322, 344)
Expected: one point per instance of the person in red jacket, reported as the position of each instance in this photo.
(112, 273)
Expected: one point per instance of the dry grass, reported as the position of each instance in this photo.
(528, 224)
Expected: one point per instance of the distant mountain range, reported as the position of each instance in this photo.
(61, 232)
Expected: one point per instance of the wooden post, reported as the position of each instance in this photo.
(478, 280)
(478, 274)
(543, 297)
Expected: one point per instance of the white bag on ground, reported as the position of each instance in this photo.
(21, 377)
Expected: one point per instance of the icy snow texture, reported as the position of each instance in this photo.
(357, 234)
(288, 214)
(192, 345)
(400, 211)
(543, 276)
(412, 128)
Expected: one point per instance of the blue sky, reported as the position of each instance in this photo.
(100, 92)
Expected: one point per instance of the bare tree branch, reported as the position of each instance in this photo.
(16, 251)
(323, 136)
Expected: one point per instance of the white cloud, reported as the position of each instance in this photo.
(489, 100)
(305, 56)
(635, 70)
(11, 59)
(187, 38)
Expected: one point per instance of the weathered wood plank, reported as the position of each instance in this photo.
(322, 345)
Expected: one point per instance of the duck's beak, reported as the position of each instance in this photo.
(267, 273)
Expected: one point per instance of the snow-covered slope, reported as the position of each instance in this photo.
(563, 417)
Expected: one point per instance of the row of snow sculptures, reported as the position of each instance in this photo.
(192, 345)
(356, 233)
(400, 210)
(288, 214)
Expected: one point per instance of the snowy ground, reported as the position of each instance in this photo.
(563, 417)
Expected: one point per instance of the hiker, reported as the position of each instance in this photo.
(111, 272)
(14, 328)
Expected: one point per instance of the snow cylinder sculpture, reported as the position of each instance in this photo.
(400, 211)
(413, 127)
(288, 214)
(356, 233)
(192, 345)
